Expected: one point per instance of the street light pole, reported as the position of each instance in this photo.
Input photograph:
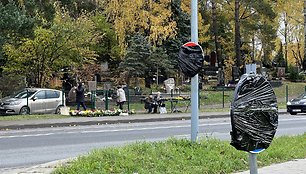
(194, 80)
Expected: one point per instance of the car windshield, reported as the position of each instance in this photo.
(302, 96)
(24, 93)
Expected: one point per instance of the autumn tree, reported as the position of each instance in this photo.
(291, 29)
(66, 43)
(152, 18)
(253, 18)
(14, 25)
(107, 47)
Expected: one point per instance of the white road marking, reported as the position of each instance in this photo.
(79, 130)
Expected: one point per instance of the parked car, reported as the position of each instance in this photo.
(33, 101)
(297, 105)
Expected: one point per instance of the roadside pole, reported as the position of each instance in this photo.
(194, 80)
(253, 163)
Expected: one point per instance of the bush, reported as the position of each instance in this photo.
(10, 83)
(294, 74)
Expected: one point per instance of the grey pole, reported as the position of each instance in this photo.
(253, 163)
(194, 80)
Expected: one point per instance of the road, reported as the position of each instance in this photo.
(28, 147)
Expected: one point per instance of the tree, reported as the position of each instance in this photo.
(107, 47)
(152, 18)
(14, 25)
(159, 64)
(279, 58)
(66, 43)
(137, 55)
(255, 17)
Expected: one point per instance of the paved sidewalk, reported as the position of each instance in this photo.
(291, 167)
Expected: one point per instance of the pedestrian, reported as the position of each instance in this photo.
(120, 97)
(151, 104)
(80, 96)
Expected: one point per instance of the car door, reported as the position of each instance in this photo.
(38, 102)
(52, 101)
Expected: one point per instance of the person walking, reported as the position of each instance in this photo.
(80, 96)
(120, 97)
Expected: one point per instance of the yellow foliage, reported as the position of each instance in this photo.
(229, 63)
(141, 15)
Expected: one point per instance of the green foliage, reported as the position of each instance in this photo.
(77, 7)
(294, 74)
(279, 58)
(14, 24)
(137, 56)
(181, 156)
(107, 47)
(66, 43)
(11, 83)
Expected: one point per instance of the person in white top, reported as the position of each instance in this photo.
(120, 97)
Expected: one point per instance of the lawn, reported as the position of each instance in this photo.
(182, 156)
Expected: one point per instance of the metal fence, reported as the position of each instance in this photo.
(175, 101)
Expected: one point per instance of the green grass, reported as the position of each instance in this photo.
(31, 117)
(182, 156)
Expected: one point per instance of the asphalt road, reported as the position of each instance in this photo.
(28, 147)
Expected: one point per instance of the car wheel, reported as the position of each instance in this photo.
(58, 110)
(293, 113)
(24, 110)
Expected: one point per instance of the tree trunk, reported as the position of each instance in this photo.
(237, 35)
(215, 32)
(304, 61)
(286, 40)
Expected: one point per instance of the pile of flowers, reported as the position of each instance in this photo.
(100, 113)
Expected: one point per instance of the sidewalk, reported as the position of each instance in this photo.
(291, 167)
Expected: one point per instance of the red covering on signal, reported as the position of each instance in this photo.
(190, 44)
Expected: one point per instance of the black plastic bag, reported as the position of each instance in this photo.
(254, 113)
(190, 59)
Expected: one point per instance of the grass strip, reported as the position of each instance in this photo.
(32, 117)
(208, 156)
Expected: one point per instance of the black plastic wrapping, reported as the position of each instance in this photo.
(190, 60)
(254, 113)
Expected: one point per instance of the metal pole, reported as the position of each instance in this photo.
(27, 98)
(157, 77)
(253, 163)
(171, 103)
(223, 95)
(63, 95)
(93, 99)
(194, 80)
(286, 93)
(106, 99)
(128, 98)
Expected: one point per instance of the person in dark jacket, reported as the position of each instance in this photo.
(80, 96)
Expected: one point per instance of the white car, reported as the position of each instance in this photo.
(33, 101)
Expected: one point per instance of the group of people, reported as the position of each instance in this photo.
(152, 103)
(79, 92)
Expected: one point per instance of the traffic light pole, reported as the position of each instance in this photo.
(194, 80)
